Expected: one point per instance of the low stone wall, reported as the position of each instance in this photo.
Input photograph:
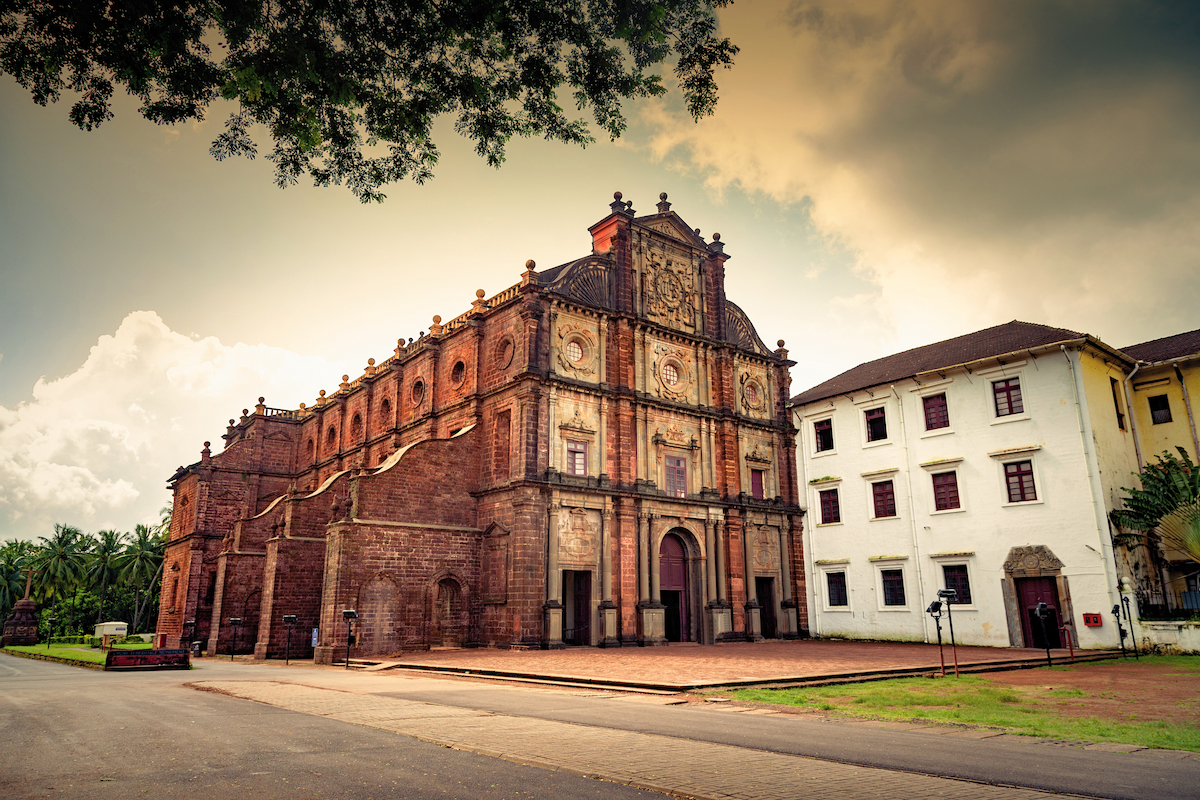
(1162, 636)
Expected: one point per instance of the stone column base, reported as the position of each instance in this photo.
(609, 628)
(324, 654)
(753, 622)
(652, 627)
(552, 618)
(720, 622)
(790, 627)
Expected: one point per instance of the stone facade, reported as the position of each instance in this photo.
(599, 455)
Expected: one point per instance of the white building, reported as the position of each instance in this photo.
(988, 464)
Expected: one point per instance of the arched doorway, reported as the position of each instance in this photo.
(673, 588)
(378, 613)
(448, 626)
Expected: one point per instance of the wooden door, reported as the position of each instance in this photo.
(765, 589)
(1030, 592)
(673, 589)
(582, 583)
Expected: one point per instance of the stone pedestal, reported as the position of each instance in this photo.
(552, 627)
(753, 622)
(653, 625)
(789, 627)
(720, 621)
(21, 626)
(610, 632)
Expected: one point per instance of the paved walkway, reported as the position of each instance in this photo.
(684, 666)
(647, 761)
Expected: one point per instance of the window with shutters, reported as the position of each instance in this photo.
(576, 458)
(1007, 396)
(1018, 476)
(945, 491)
(955, 576)
(835, 583)
(884, 496)
(876, 424)
(937, 413)
(893, 587)
(676, 475)
(830, 510)
(1112, 382)
(756, 483)
(823, 435)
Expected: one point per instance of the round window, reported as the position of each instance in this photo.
(670, 374)
(458, 373)
(418, 392)
(574, 351)
(751, 394)
(504, 353)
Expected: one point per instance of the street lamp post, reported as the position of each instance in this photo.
(288, 620)
(950, 595)
(236, 622)
(49, 631)
(935, 611)
(349, 615)
(189, 633)
(1043, 614)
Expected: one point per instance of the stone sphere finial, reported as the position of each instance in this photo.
(370, 362)
(716, 237)
(207, 444)
(480, 293)
(530, 264)
(345, 378)
(617, 195)
(232, 422)
(245, 411)
(437, 319)
(662, 195)
(322, 393)
(780, 343)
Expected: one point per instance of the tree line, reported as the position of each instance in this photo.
(83, 579)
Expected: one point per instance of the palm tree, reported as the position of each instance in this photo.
(141, 564)
(1167, 507)
(104, 564)
(14, 556)
(61, 560)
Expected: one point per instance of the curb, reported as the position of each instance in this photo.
(70, 662)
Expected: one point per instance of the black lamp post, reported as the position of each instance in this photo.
(236, 622)
(349, 615)
(189, 633)
(949, 596)
(1129, 619)
(49, 631)
(288, 620)
(1043, 613)
(935, 611)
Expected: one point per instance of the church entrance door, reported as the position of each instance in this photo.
(673, 588)
(765, 589)
(1030, 592)
(577, 607)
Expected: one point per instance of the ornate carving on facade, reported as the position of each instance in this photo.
(670, 287)
(740, 331)
(753, 392)
(1031, 560)
(765, 540)
(577, 536)
(576, 351)
(577, 423)
(758, 456)
(673, 371)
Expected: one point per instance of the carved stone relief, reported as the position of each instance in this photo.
(766, 541)
(576, 352)
(673, 371)
(670, 285)
(1031, 561)
(577, 536)
(753, 392)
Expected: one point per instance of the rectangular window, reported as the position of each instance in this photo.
(756, 483)
(830, 512)
(1112, 382)
(956, 579)
(676, 476)
(876, 425)
(836, 581)
(893, 587)
(1019, 476)
(937, 414)
(945, 491)
(576, 458)
(885, 499)
(823, 434)
(1160, 409)
(1008, 397)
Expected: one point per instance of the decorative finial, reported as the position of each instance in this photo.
(302, 407)
(232, 423)
(662, 195)
(531, 264)
(696, 231)
(663, 205)
(370, 362)
(436, 328)
(480, 293)
(620, 207)
(245, 412)
(529, 276)
(617, 195)
(322, 393)
(478, 305)
(716, 237)
(207, 445)
(437, 319)
(780, 343)
(262, 400)
(345, 378)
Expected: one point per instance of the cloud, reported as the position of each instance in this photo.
(981, 161)
(95, 447)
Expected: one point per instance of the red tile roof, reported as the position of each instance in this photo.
(1007, 338)
(1177, 346)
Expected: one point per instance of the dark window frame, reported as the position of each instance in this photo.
(893, 587)
(758, 483)
(675, 474)
(1162, 414)
(876, 419)
(576, 466)
(961, 582)
(937, 414)
(836, 590)
(823, 435)
(946, 496)
(831, 510)
(1112, 382)
(1019, 481)
(883, 498)
(1007, 398)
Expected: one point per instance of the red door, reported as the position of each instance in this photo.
(672, 584)
(1030, 592)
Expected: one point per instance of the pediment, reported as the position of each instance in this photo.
(670, 224)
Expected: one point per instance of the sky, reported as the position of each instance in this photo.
(884, 175)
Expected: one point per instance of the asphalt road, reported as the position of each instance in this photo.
(1006, 760)
(69, 732)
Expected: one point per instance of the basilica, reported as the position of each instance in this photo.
(600, 455)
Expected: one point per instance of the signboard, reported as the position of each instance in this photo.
(315, 630)
(147, 659)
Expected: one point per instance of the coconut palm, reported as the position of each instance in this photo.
(141, 564)
(104, 564)
(61, 561)
(1166, 506)
(14, 557)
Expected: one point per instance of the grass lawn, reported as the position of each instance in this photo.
(79, 652)
(1060, 711)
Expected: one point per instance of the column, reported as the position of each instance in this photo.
(610, 636)
(722, 573)
(643, 559)
(753, 609)
(655, 563)
(552, 608)
(790, 627)
(710, 564)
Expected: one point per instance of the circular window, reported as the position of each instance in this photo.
(670, 374)
(751, 394)
(504, 353)
(458, 373)
(574, 351)
(418, 392)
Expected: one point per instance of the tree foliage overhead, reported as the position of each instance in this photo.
(349, 89)
(1167, 507)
